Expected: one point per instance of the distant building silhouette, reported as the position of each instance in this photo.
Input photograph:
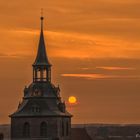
(41, 115)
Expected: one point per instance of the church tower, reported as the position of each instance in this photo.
(41, 115)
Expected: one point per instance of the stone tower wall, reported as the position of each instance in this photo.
(54, 127)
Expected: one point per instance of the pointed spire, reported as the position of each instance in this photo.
(41, 59)
(41, 18)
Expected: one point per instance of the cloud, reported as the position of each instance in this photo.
(80, 33)
(110, 68)
(100, 76)
(67, 45)
(74, 45)
(97, 29)
(115, 68)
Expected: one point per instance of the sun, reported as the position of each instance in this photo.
(72, 100)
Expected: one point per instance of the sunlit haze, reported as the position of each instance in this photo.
(93, 45)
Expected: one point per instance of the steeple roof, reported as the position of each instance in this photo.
(41, 58)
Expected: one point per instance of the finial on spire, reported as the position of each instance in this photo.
(42, 14)
(41, 18)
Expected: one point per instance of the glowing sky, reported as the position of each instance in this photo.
(94, 46)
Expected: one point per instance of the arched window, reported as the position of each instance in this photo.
(1, 136)
(43, 129)
(63, 128)
(137, 135)
(67, 128)
(26, 130)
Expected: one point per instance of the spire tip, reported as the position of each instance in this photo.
(41, 14)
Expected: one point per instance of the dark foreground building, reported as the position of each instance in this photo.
(93, 132)
(42, 115)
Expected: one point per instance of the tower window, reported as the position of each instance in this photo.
(137, 135)
(35, 108)
(67, 128)
(63, 128)
(26, 130)
(43, 129)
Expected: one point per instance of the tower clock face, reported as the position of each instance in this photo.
(36, 92)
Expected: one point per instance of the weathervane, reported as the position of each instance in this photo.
(42, 12)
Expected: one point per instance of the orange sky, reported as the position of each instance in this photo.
(94, 46)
